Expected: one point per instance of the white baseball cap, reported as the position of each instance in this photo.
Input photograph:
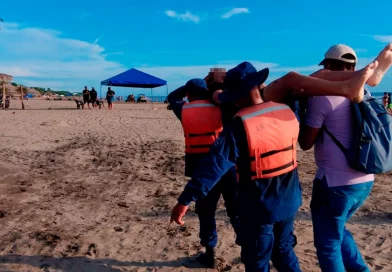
(338, 51)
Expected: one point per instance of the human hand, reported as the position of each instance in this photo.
(178, 213)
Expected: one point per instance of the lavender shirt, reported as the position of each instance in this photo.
(334, 113)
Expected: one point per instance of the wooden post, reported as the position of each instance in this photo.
(5, 79)
(21, 97)
(4, 95)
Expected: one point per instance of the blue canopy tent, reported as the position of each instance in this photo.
(135, 79)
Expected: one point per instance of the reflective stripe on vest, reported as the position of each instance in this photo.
(272, 131)
(202, 123)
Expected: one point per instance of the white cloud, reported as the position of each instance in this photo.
(113, 53)
(300, 69)
(178, 75)
(43, 55)
(97, 39)
(83, 15)
(360, 50)
(234, 11)
(383, 38)
(187, 16)
(54, 85)
(43, 58)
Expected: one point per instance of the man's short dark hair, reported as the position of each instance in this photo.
(339, 65)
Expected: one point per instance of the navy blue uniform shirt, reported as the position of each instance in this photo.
(265, 201)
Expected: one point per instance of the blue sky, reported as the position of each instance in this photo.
(65, 45)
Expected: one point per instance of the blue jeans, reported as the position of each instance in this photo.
(262, 243)
(331, 207)
(206, 207)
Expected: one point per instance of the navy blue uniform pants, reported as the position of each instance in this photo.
(261, 243)
(206, 207)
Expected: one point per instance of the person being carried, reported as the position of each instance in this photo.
(202, 122)
(261, 143)
(293, 87)
(384, 59)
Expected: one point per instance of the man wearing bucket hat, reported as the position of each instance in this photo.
(269, 190)
(202, 123)
(338, 190)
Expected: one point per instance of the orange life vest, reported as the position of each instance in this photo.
(202, 123)
(272, 132)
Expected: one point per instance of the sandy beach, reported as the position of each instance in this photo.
(92, 190)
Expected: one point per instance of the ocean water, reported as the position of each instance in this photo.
(157, 98)
(378, 94)
(163, 98)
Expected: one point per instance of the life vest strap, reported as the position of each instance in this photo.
(200, 146)
(272, 152)
(202, 134)
(270, 171)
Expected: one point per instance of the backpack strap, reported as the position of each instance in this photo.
(339, 144)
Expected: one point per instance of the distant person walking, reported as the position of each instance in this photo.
(86, 97)
(93, 97)
(385, 100)
(389, 105)
(110, 97)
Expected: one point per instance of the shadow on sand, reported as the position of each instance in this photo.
(83, 264)
(361, 218)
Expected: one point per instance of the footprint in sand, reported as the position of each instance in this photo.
(2, 214)
(92, 250)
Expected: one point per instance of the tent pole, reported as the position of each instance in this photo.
(21, 96)
(167, 90)
(152, 101)
(100, 92)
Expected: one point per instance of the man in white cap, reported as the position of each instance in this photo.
(340, 57)
(338, 190)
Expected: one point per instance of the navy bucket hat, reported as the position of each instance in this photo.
(196, 85)
(240, 80)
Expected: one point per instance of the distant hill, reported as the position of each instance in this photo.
(12, 89)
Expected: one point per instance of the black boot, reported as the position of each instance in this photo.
(208, 259)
